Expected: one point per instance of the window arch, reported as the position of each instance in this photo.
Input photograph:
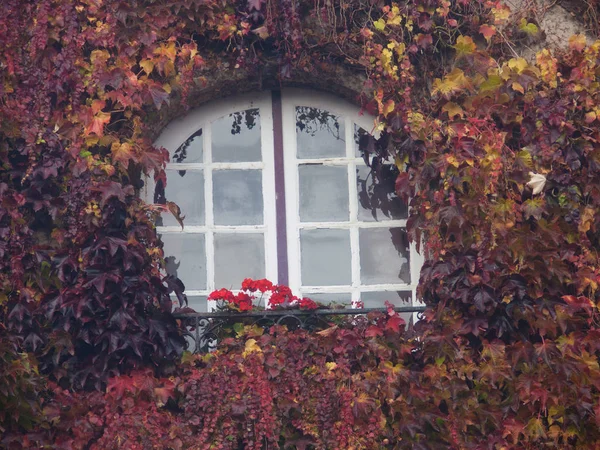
(273, 185)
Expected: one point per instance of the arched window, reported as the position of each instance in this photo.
(273, 185)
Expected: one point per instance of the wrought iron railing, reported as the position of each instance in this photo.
(202, 330)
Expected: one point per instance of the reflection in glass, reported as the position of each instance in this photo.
(384, 256)
(186, 259)
(319, 134)
(191, 151)
(238, 197)
(323, 193)
(325, 257)
(238, 256)
(236, 137)
(377, 198)
(186, 188)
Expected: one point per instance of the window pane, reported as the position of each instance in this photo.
(319, 134)
(378, 200)
(197, 302)
(191, 151)
(185, 258)
(186, 188)
(327, 298)
(325, 257)
(238, 197)
(323, 193)
(236, 137)
(238, 256)
(384, 256)
(378, 299)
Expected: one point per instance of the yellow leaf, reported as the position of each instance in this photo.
(452, 83)
(262, 32)
(464, 46)
(388, 107)
(148, 66)
(590, 117)
(453, 110)
(517, 64)
(548, 68)
(577, 42)
(501, 14)
(331, 366)
(251, 347)
(517, 87)
(167, 50)
(379, 24)
(451, 159)
(586, 221)
(121, 152)
(100, 56)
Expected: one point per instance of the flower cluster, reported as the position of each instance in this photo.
(253, 293)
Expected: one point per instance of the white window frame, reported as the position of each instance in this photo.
(179, 130)
(291, 98)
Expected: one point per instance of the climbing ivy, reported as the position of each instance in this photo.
(499, 155)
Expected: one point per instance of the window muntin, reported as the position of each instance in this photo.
(346, 237)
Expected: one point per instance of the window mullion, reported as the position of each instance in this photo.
(209, 214)
(353, 209)
(280, 192)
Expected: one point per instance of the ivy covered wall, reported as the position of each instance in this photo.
(499, 153)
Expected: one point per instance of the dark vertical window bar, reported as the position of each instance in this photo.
(282, 255)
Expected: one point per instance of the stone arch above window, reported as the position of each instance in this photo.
(274, 185)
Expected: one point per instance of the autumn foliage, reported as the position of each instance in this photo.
(500, 156)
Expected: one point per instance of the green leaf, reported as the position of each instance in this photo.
(492, 83)
(528, 27)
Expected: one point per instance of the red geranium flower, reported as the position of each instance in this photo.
(222, 294)
(307, 303)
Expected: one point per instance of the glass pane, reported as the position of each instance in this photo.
(378, 299)
(191, 151)
(319, 133)
(323, 193)
(236, 137)
(186, 188)
(384, 256)
(325, 257)
(185, 258)
(327, 299)
(238, 256)
(238, 197)
(198, 303)
(377, 200)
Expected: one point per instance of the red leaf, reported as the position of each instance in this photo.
(159, 95)
(580, 302)
(394, 323)
(373, 331)
(109, 189)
